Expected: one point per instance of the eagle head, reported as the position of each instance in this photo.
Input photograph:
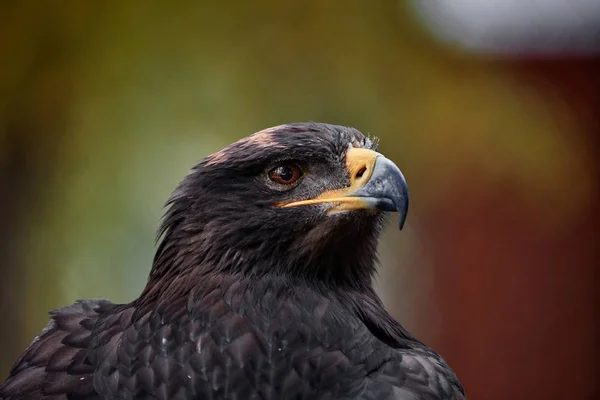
(302, 199)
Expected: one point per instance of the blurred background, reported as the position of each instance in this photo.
(491, 110)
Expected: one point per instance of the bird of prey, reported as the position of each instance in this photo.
(260, 289)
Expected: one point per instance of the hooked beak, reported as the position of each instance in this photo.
(376, 183)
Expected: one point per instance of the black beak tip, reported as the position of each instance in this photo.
(402, 213)
(402, 198)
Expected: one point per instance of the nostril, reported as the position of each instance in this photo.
(361, 172)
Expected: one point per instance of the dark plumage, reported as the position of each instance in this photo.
(260, 289)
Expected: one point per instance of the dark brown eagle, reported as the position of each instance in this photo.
(260, 289)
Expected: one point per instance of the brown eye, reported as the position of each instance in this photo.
(285, 174)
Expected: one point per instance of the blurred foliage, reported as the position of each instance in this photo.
(115, 101)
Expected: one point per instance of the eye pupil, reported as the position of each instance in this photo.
(285, 174)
